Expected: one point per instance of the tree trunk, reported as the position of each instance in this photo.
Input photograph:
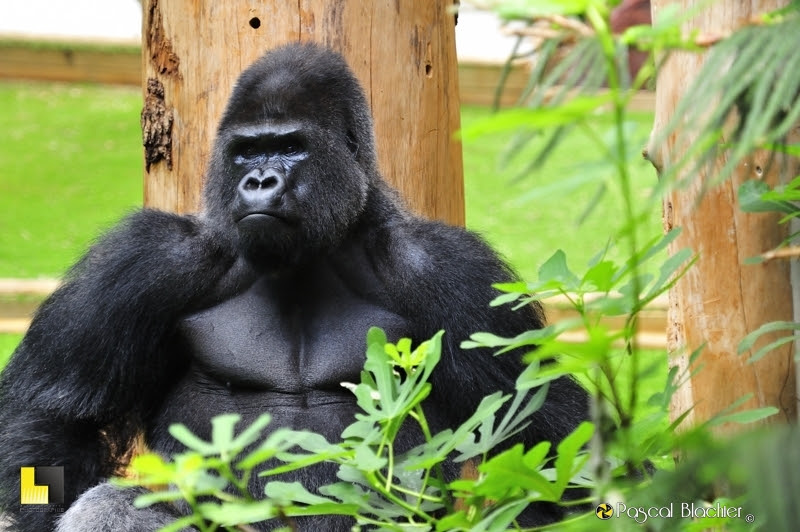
(720, 299)
(402, 52)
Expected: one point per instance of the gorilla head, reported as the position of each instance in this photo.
(294, 157)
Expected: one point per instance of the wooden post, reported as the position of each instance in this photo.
(720, 300)
(402, 52)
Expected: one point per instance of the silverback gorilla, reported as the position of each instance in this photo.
(261, 303)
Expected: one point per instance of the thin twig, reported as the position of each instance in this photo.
(782, 253)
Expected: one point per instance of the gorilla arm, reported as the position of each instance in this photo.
(98, 351)
(444, 278)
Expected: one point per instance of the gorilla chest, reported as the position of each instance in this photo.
(274, 337)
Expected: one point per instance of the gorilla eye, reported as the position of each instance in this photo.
(289, 146)
(247, 151)
(250, 151)
(289, 149)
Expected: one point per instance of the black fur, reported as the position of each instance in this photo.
(262, 303)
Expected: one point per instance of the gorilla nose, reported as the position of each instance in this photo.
(252, 182)
(259, 189)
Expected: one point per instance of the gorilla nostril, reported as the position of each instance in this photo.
(254, 183)
(251, 183)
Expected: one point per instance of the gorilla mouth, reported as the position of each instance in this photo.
(259, 221)
(261, 216)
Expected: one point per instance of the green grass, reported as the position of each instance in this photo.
(528, 216)
(70, 166)
(8, 342)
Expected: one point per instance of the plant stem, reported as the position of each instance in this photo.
(377, 484)
(619, 99)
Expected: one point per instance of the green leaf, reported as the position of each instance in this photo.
(323, 508)
(748, 341)
(181, 433)
(555, 269)
(367, 460)
(746, 416)
(402, 355)
(222, 427)
(575, 110)
(504, 299)
(610, 305)
(463, 440)
(454, 521)
(537, 455)
(251, 434)
(362, 429)
(375, 335)
(350, 493)
(150, 464)
(751, 199)
(501, 517)
(600, 277)
(238, 512)
(567, 463)
(526, 9)
(181, 524)
(651, 249)
(508, 473)
(428, 454)
(527, 338)
(515, 287)
(578, 177)
(664, 32)
(285, 492)
(667, 274)
(770, 347)
(518, 415)
(482, 339)
(279, 441)
(155, 497)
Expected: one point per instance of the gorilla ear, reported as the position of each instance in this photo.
(352, 143)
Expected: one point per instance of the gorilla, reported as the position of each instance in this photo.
(260, 303)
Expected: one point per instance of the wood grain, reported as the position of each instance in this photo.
(402, 52)
(721, 299)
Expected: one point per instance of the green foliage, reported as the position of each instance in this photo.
(757, 196)
(745, 75)
(747, 342)
(526, 214)
(379, 485)
(751, 78)
(70, 166)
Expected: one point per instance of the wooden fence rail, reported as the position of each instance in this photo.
(19, 299)
(121, 63)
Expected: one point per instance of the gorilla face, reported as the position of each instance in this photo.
(294, 157)
(269, 200)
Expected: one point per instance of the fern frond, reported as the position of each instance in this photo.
(746, 97)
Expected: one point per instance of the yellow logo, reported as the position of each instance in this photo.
(604, 511)
(41, 485)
